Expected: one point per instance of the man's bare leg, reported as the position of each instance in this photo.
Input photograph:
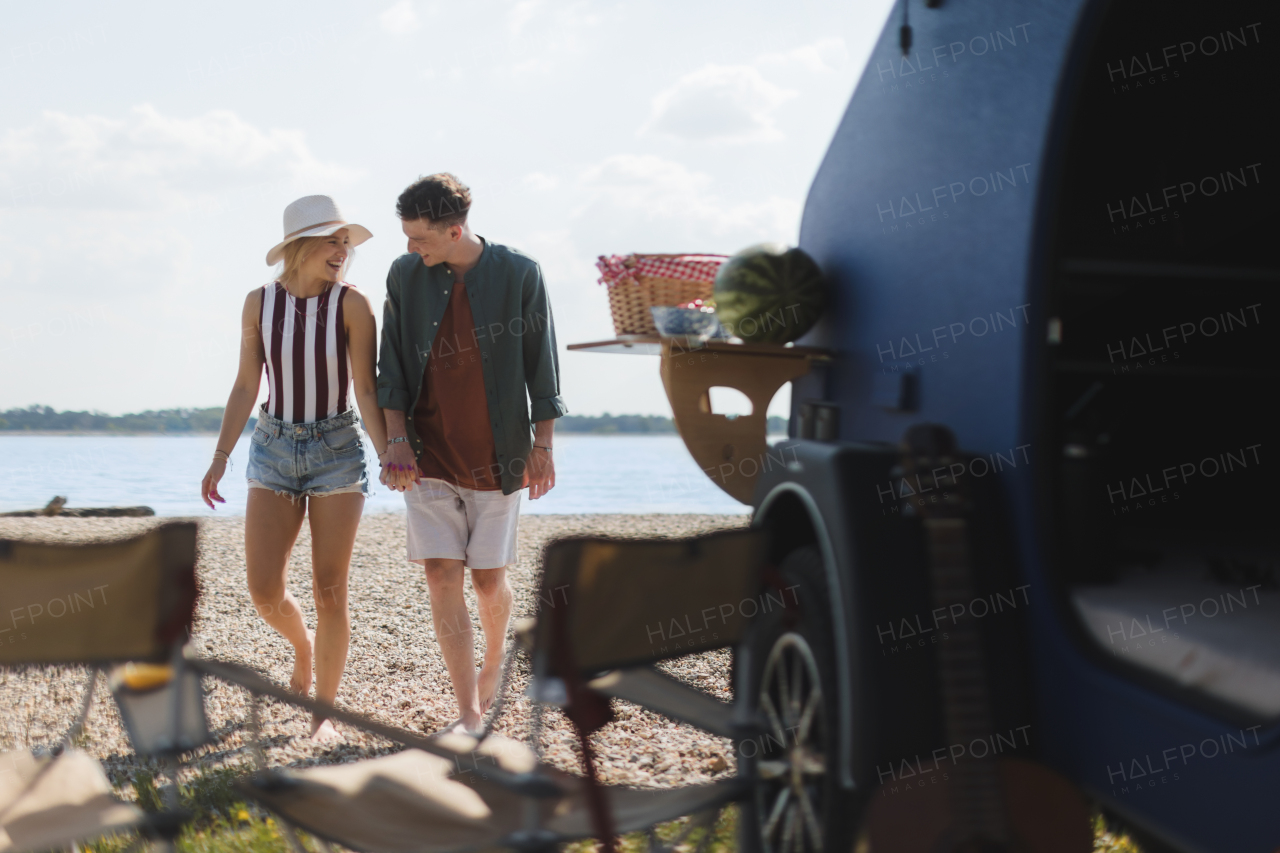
(445, 579)
(493, 594)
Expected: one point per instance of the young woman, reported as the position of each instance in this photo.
(315, 335)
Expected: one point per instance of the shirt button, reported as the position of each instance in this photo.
(435, 324)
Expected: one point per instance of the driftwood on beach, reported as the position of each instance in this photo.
(58, 507)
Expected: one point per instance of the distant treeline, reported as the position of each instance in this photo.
(44, 418)
(165, 420)
(633, 424)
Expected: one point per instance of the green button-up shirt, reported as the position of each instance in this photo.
(516, 337)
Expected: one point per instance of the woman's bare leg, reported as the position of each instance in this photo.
(334, 521)
(271, 526)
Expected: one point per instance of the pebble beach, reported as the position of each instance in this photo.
(395, 672)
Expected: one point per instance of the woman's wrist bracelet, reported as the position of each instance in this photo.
(545, 447)
(391, 441)
(225, 454)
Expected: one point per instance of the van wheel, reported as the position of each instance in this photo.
(787, 674)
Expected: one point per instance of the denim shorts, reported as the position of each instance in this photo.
(307, 460)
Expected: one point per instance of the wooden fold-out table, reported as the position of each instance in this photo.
(730, 450)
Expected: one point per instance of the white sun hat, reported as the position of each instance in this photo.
(314, 216)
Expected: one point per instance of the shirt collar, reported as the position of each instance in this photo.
(480, 262)
(484, 256)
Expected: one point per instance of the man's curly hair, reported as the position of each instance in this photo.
(441, 199)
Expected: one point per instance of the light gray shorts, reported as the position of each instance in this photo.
(448, 522)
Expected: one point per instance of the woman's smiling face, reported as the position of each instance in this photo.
(328, 258)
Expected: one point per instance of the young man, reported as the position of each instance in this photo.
(469, 383)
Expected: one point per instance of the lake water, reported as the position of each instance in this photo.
(594, 474)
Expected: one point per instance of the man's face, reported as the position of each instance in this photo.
(435, 245)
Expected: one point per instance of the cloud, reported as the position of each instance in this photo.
(719, 103)
(541, 39)
(400, 18)
(822, 56)
(146, 229)
(521, 14)
(645, 181)
(147, 160)
(645, 194)
(541, 181)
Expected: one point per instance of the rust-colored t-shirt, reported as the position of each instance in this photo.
(452, 414)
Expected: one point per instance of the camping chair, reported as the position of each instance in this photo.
(130, 603)
(455, 792)
(612, 608)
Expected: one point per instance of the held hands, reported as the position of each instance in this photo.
(399, 468)
(209, 485)
(541, 471)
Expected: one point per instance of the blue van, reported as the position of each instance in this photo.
(1047, 228)
(1048, 233)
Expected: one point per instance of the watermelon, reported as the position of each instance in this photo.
(769, 294)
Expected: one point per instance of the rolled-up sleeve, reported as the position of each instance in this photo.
(392, 391)
(541, 361)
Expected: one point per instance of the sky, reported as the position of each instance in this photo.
(147, 152)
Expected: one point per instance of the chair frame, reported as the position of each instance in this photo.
(177, 595)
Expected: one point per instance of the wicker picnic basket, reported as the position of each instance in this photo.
(638, 282)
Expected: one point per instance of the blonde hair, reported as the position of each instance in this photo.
(297, 252)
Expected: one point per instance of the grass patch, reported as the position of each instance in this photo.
(222, 821)
(208, 795)
(244, 833)
(1107, 839)
(723, 836)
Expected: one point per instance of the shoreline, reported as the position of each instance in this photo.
(194, 434)
(596, 517)
(107, 432)
(367, 513)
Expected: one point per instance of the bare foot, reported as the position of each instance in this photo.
(323, 731)
(300, 683)
(460, 728)
(487, 684)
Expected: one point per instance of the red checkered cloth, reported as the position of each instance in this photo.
(617, 269)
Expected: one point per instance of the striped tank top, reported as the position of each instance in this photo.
(305, 343)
